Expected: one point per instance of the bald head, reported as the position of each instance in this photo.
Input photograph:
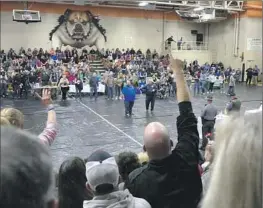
(157, 141)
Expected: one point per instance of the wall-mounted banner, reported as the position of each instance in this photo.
(254, 44)
(78, 29)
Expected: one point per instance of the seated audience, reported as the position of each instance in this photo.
(127, 162)
(236, 178)
(26, 171)
(103, 179)
(171, 178)
(72, 183)
(16, 118)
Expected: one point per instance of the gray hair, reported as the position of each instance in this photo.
(237, 173)
(26, 170)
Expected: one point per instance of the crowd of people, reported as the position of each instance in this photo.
(164, 175)
(25, 70)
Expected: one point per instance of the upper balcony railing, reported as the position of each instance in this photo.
(188, 46)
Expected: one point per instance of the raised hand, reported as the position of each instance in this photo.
(46, 96)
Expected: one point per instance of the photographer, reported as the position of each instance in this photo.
(3, 84)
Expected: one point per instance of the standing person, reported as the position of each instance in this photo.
(94, 84)
(255, 76)
(16, 84)
(118, 83)
(150, 91)
(211, 79)
(249, 75)
(222, 83)
(232, 83)
(64, 85)
(196, 84)
(169, 43)
(203, 81)
(110, 86)
(129, 94)
(79, 84)
(208, 116)
(3, 84)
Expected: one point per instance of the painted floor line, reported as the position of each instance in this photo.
(111, 124)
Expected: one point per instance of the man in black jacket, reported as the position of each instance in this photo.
(171, 179)
(150, 91)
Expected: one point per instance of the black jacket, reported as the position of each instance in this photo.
(150, 89)
(175, 181)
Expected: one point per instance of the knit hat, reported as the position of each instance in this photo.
(101, 168)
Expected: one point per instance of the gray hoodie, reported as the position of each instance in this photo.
(118, 199)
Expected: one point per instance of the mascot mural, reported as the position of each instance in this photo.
(78, 29)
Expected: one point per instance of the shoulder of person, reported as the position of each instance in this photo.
(137, 173)
(141, 203)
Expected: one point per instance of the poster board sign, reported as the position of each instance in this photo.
(254, 44)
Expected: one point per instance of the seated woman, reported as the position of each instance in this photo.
(64, 85)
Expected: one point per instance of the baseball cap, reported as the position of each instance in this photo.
(101, 168)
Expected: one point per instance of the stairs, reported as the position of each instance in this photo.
(97, 66)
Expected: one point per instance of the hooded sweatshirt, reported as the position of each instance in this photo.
(118, 199)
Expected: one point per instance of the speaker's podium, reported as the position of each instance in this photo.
(26, 16)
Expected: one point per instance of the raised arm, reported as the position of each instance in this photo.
(50, 132)
(188, 137)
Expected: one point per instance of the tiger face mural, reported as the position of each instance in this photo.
(78, 29)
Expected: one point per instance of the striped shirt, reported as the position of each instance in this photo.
(49, 134)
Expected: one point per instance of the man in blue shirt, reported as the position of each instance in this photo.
(129, 94)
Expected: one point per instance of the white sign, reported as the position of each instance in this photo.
(254, 44)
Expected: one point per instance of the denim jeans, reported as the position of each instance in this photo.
(117, 91)
(196, 88)
(94, 92)
(110, 92)
(203, 86)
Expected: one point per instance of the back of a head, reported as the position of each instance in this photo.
(102, 173)
(72, 183)
(14, 117)
(157, 141)
(237, 173)
(127, 162)
(4, 121)
(26, 170)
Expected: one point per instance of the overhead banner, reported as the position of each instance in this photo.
(254, 44)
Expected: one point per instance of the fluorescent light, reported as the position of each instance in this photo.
(143, 3)
(198, 8)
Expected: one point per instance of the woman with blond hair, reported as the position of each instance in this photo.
(14, 117)
(236, 180)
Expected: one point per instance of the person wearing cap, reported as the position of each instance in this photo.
(208, 116)
(234, 106)
(150, 91)
(103, 179)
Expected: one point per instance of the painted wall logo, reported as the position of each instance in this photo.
(78, 29)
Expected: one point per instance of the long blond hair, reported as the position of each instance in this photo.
(12, 117)
(236, 180)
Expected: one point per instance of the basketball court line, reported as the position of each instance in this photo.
(111, 124)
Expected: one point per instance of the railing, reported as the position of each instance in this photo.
(188, 46)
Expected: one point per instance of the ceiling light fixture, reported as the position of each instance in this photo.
(143, 3)
(199, 9)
